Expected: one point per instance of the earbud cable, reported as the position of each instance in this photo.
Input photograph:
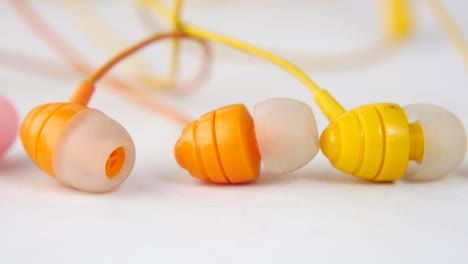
(103, 37)
(175, 41)
(397, 27)
(325, 101)
(74, 59)
(15, 60)
(399, 18)
(450, 28)
(106, 40)
(86, 89)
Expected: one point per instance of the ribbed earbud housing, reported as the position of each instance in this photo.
(220, 147)
(80, 147)
(8, 124)
(371, 142)
(444, 141)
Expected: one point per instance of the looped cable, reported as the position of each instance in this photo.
(76, 61)
(102, 36)
(397, 27)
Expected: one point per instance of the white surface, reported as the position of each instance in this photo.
(316, 215)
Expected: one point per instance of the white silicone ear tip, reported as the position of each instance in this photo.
(286, 134)
(444, 141)
(8, 124)
(88, 146)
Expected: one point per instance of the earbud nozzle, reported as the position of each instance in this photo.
(286, 133)
(94, 153)
(444, 141)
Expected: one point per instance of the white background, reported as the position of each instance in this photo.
(316, 215)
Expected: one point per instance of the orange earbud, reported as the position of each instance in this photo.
(221, 146)
(79, 146)
(226, 145)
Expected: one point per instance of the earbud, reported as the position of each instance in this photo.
(227, 144)
(79, 146)
(377, 142)
(8, 124)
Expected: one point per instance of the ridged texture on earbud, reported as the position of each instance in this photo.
(371, 142)
(42, 128)
(8, 124)
(80, 147)
(286, 133)
(444, 141)
(220, 147)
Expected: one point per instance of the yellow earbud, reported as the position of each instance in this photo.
(376, 142)
(372, 142)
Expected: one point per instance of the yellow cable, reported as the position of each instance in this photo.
(451, 29)
(399, 18)
(328, 104)
(173, 71)
(239, 45)
(397, 27)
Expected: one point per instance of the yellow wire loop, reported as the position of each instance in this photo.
(451, 29)
(397, 27)
(399, 18)
(326, 102)
(173, 71)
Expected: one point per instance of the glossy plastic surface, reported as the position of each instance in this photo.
(220, 147)
(42, 128)
(371, 142)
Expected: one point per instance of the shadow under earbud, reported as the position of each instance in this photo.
(462, 171)
(179, 177)
(12, 165)
(331, 176)
(425, 181)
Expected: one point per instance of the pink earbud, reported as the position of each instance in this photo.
(8, 124)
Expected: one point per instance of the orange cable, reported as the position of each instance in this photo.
(33, 64)
(74, 59)
(86, 89)
(129, 51)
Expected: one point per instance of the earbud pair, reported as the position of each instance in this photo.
(374, 142)
(8, 124)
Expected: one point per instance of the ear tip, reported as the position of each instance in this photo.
(445, 141)
(100, 162)
(287, 134)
